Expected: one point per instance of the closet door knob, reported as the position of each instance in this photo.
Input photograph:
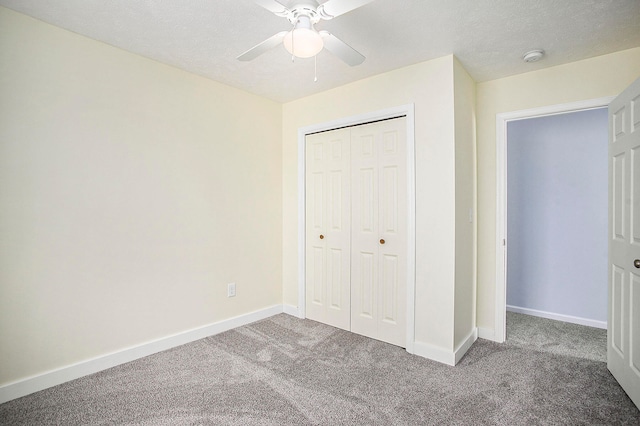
(381, 241)
(636, 263)
(321, 237)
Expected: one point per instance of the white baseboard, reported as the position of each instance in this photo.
(55, 377)
(291, 310)
(465, 345)
(558, 317)
(434, 353)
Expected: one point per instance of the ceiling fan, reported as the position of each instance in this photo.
(304, 41)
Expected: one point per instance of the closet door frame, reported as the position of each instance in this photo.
(394, 112)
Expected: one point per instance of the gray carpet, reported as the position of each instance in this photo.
(284, 370)
(557, 337)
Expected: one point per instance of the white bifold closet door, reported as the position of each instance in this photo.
(356, 211)
(328, 231)
(378, 231)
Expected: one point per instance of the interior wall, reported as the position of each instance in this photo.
(429, 85)
(131, 194)
(592, 78)
(465, 163)
(557, 215)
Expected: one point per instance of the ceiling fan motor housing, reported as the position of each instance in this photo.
(306, 9)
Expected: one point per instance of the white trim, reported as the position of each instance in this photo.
(435, 353)
(466, 344)
(399, 111)
(499, 334)
(558, 317)
(302, 224)
(61, 375)
(291, 310)
(499, 324)
(411, 228)
(486, 333)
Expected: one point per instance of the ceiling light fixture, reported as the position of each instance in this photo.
(303, 41)
(533, 55)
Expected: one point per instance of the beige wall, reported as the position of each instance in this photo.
(588, 79)
(465, 143)
(131, 193)
(429, 85)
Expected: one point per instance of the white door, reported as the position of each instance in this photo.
(378, 231)
(328, 234)
(623, 334)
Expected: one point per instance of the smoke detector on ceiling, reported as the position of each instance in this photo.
(533, 55)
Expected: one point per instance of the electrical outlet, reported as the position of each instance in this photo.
(231, 290)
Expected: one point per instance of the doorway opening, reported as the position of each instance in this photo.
(557, 216)
(540, 223)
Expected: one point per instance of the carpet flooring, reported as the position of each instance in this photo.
(287, 371)
(562, 338)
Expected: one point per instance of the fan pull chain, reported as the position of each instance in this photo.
(293, 41)
(315, 68)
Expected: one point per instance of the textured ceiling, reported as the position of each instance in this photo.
(488, 36)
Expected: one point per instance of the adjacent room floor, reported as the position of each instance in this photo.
(557, 337)
(284, 370)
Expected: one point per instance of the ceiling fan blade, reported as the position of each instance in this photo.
(273, 6)
(333, 8)
(341, 49)
(258, 50)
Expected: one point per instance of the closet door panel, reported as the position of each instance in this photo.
(393, 230)
(364, 230)
(378, 162)
(366, 283)
(316, 275)
(389, 289)
(315, 225)
(327, 231)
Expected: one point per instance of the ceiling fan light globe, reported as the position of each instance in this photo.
(303, 42)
